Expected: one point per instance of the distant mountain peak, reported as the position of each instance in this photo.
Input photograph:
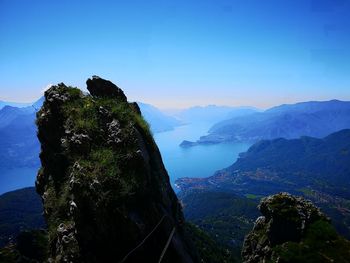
(313, 118)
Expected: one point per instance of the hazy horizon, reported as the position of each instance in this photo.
(173, 109)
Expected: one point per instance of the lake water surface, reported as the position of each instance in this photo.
(197, 161)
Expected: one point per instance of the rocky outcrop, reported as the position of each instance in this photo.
(289, 231)
(105, 191)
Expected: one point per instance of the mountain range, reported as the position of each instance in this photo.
(212, 113)
(14, 104)
(18, 142)
(314, 118)
(158, 120)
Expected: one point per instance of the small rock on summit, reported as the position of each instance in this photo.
(99, 87)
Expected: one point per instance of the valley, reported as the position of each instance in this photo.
(222, 203)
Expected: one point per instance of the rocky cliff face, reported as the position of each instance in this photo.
(292, 229)
(105, 191)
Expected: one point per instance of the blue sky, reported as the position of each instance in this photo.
(179, 53)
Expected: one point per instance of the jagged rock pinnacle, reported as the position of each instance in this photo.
(103, 184)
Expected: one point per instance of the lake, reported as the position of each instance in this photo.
(197, 161)
(15, 178)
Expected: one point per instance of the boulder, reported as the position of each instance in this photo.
(99, 87)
